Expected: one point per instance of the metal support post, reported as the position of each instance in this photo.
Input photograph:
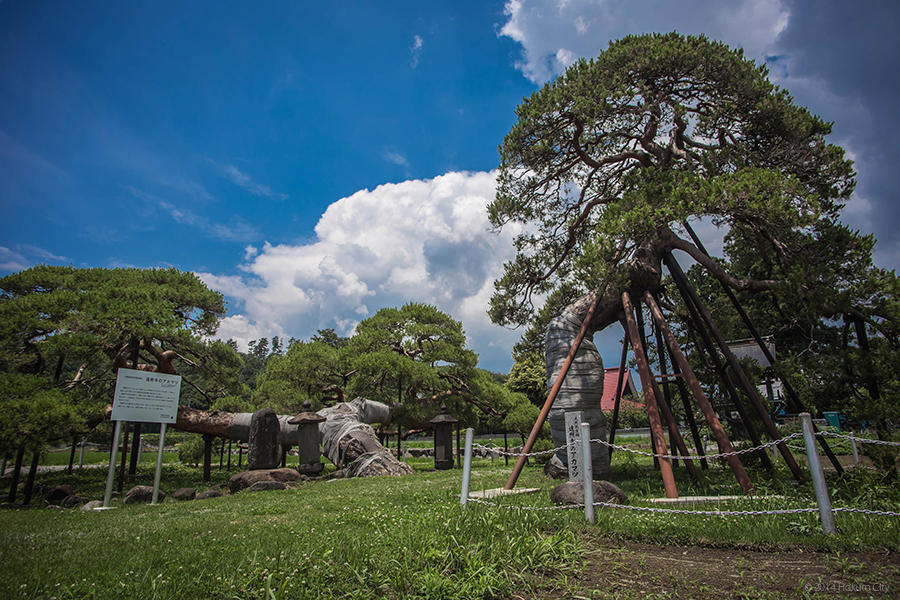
(818, 476)
(124, 455)
(117, 431)
(159, 456)
(467, 468)
(587, 472)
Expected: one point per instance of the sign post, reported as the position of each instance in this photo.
(573, 445)
(146, 397)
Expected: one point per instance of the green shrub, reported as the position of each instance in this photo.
(190, 451)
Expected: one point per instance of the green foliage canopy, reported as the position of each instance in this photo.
(414, 357)
(618, 150)
(73, 328)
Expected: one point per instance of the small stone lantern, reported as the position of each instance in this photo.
(443, 440)
(308, 448)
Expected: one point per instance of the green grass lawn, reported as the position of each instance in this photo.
(387, 537)
(92, 458)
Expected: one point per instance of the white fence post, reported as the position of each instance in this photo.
(818, 476)
(159, 458)
(467, 468)
(81, 454)
(587, 472)
(855, 451)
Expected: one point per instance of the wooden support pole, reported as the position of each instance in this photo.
(688, 413)
(548, 403)
(135, 444)
(707, 343)
(749, 388)
(29, 481)
(656, 431)
(620, 381)
(660, 400)
(791, 394)
(688, 410)
(871, 381)
(207, 456)
(675, 439)
(72, 454)
(724, 444)
(17, 471)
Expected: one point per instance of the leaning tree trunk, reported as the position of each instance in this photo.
(347, 436)
(582, 389)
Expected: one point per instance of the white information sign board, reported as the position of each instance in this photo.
(573, 444)
(146, 397)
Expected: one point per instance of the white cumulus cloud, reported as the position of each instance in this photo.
(419, 240)
(554, 34)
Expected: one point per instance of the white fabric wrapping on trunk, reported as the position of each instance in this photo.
(346, 417)
(582, 389)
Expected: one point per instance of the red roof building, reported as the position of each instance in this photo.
(608, 401)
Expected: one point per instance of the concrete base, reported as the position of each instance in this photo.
(496, 492)
(704, 499)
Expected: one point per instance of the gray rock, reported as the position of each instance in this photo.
(264, 447)
(420, 452)
(572, 492)
(57, 494)
(374, 464)
(73, 500)
(209, 494)
(142, 493)
(265, 486)
(88, 506)
(245, 479)
(554, 469)
(185, 494)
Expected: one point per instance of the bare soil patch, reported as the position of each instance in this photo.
(626, 569)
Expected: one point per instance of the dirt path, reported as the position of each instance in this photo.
(616, 569)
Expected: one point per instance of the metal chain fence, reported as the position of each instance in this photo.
(785, 439)
(677, 511)
(682, 511)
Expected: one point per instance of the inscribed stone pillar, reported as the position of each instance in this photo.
(264, 446)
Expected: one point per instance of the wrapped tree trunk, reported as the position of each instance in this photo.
(348, 439)
(582, 388)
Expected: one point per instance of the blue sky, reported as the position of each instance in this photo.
(317, 163)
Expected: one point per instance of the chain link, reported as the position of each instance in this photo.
(681, 511)
(858, 439)
(651, 454)
(497, 451)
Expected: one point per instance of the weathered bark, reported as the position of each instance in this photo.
(348, 439)
(582, 389)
